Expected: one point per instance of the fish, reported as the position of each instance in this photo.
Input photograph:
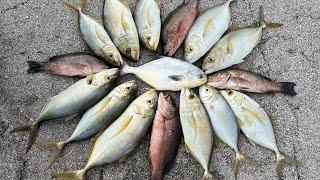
(223, 121)
(72, 101)
(247, 81)
(97, 118)
(234, 46)
(119, 23)
(121, 137)
(167, 73)
(197, 130)
(72, 64)
(165, 137)
(95, 36)
(148, 22)
(177, 25)
(256, 125)
(207, 29)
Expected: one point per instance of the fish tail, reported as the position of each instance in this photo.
(208, 176)
(126, 69)
(156, 175)
(77, 6)
(34, 67)
(263, 22)
(281, 159)
(288, 88)
(33, 128)
(75, 175)
(58, 146)
(242, 158)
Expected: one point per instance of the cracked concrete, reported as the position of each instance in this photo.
(37, 30)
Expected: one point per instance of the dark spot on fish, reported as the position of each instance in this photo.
(230, 92)
(111, 55)
(200, 76)
(109, 78)
(128, 88)
(190, 49)
(207, 89)
(176, 77)
(149, 101)
(211, 59)
(191, 96)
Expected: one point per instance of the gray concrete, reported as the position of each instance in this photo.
(37, 30)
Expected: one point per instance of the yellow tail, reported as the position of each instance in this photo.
(58, 146)
(242, 158)
(263, 22)
(281, 159)
(71, 175)
(33, 128)
(78, 6)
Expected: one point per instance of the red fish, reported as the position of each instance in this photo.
(165, 137)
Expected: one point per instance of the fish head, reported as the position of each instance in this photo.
(232, 96)
(124, 90)
(208, 93)
(112, 55)
(196, 78)
(212, 62)
(104, 77)
(189, 98)
(166, 105)
(219, 78)
(192, 47)
(146, 103)
(132, 50)
(151, 40)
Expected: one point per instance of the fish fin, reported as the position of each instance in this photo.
(263, 22)
(34, 67)
(281, 159)
(58, 146)
(33, 128)
(124, 157)
(187, 149)
(229, 47)
(77, 6)
(176, 77)
(126, 69)
(101, 38)
(288, 88)
(124, 23)
(72, 117)
(209, 176)
(207, 27)
(242, 158)
(76, 175)
(95, 137)
(234, 26)
(89, 77)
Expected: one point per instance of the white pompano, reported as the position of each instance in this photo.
(168, 74)
(256, 125)
(206, 31)
(147, 17)
(234, 46)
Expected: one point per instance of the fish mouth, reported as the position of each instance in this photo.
(118, 61)
(134, 54)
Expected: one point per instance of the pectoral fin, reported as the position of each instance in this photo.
(101, 37)
(176, 77)
(125, 24)
(208, 28)
(229, 47)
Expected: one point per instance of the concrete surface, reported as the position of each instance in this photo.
(37, 30)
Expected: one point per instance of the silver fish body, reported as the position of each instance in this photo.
(168, 74)
(148, 22)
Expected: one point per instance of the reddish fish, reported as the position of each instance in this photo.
(177, 25)
(247, 81)
(165, 137)
(74, 64)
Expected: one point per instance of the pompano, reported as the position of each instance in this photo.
(223, 121)
(121, 137)
(247, 81)
(206, 31)
(168, 74)
(119, 22)
(147, 18)
(177, 25)
(95, 36)
(256, 125)
(97, 117)
(234, 46)
(196, 128)
(165, 136)
(72, 101)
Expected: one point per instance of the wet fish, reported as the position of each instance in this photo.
(119, 22)
(247, 81)
(121, 137)
(165, 136)
(256, 125)
(73, 64)
(148, 22)
(196, 128)
(95, 36)
(168, 74)
(223, 121)
(233, 47)
(177, 25)
(72, 101)
(206, 31)
(96, 118)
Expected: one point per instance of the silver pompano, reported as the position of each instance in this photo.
(197, 131)
(119, 22)
(223, 121)
(122, 136)
(72, 101)
(255, 124)
(97, 117)
(95, 36)
(168, 74)
(147, 17)
(234, 46)
(206, 31)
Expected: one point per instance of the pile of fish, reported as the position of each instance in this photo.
(117, 121)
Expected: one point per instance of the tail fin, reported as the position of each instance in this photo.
(208, 176)
(34, 67)
(76, 175)
(288, 88)
(156, 175)
(126, 69)
(263, 22)
(242, 158)
(58, 146)
(33, 128)
(78, 6)
(281, 159)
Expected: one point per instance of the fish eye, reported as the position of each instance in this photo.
(128, 50)
(200, 76)
(108, 77)
(190, 49)
(110, 55)
(191, 96)
(148, 38)
(230, 92)
(149, 101)
(211, 59)
(207, 89)
(128, 88)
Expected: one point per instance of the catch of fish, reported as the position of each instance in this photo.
(117, 121)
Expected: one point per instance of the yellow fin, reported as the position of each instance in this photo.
(104, 103)
(250, 112)
(124, 23)
(229, 46)
(263, 22)
(101, 37)
(207, 27)
(125, 123)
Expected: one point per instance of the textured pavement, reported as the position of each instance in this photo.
(37, 29)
